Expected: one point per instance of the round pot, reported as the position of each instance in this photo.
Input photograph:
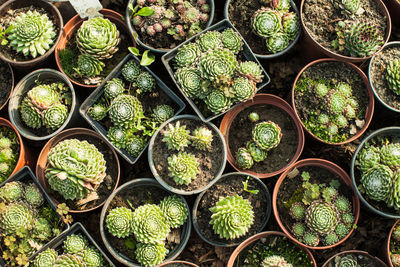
(224, 242)
(259, 236)
(73, 25)
(11, 88)
(284, 51)
(394, 9)
(58, 23)
(354, 173)
(369, 110)
(261, 99)
(78, 133)
(186, 263)
(387, 245)
(133, 185)
(377, 261)
(27, 83)
(316, 46)
(65, 8)
(153, 168)
(333, 168)
(128, 16)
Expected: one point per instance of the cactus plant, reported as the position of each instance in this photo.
(202, 138)
(114, 88)
(393, 76)
(183, 167)
(131, 70)
(174, 209)
(119, 222)
(243, 158)
(177, 137)
(266, 22)
(45, 258)
(150, 254)
(267, 135)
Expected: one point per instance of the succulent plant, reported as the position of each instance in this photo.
(33, 196)
(341, 230)
(190, 80)
(297, 211)
(131, 70)
(210, 40)
(68, 260)
(98, 37)
(231, 40)
(351, 6)
(12, 191)
(277, 42)
(55, 116)
(232, 217)
(347, 261)
(251, 70)
(202, 138)
(281, 5)
(119, 222)
(298, 229)
(16, 216)
(150, 254)
(344, 89)
(174, 209)
(267, 135)
(275, 261)
(342, 204)
(310, 239)
(331, 239)
(32, 33)
(45, 258)
(183, 167)
(42, 229)
(89, 66)
(348, 218)
(30, 115)
(125, 110)
(145, 82)
(377, 182)
(187, 55)
(341, 121)
(321, 217)
(256, 152)
(135, 145)
(243, 158)
(114, 88)
(117, 136)
(329, 193)
(217, 102)
(217, 63)
(321, 89)
(243, 89)
(75, 244)
(92, 257)
(266, 22)
(394, 196)
(8, 142)
(177, 137)
(390, 155)
(335, 102)
(291, 25)
(392, 75)
(98, 111)
(395, 259)
(161, 113)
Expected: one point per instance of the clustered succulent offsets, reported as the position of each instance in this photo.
(322, 215)
(9, 152)
(26, 221)
(276, 24)
(209, 70)
(394, 246)
(150, 225)
(77, 252)
(348, 260)
(181, 19)
(393, 75)
(274, 261)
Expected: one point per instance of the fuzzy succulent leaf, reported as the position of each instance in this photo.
(177, 137)
(362, 39)
(277, 42)
(150, 254)
(135, 145)
(291, 25)
(189, 78)
(217, 101)
(92, 257)
(125, 110)
(161, 113)
(145, 82)
(45, 258)
(231, 40)
(174, 209)
(119, 222)
(131, 70)
(267, 135)
(75, 244)
(68, 260)
(16, 216)
(12, 191)
(243, 89)
(187, 55)
(275, 261)
(98, 111)
(117, 136)
(33, 196)
(266, 22)
(251, 70)
(114, 88)
(183, 167)
(390, 155)
(321, 89)
(392, 76)
(377, 182)
(55, 116)
(202, 138)
(243, 158)
(256, 152)
(210, 40)
(321, 217)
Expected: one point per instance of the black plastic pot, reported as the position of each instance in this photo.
(98, 93)
(200, 196)
(284, 51)
(128, 16)
(26, 175)
(355, 174)
(132, 186)
(247, 55)
(20, 90)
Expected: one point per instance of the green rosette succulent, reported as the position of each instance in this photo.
(251, 70)
(68, 260)
(114, 88)
(335, 102)
(150, 254)
(392, 76)
(321, 89)
(347, 261)
(243, 89)
(75, 244)
(42, 229)
(256, 153)
(55, 116)
(202, 138)
(161, 113)
(117, 136)
(174, 209)
(98, 37)
(119, 222)
(311, 239)
(281, 5)
(298, 229)
(341, 121)
(68, 188)
(232, 217)
(16, 216)
(331, 239)
(277, 42)
(98, 111)
(45, 258)
(231, 40)
(183, 167)
(297, 211)
(266, 22)
(341, 230)
(187, 55)
(275, 261)
(267, 135)
(321, 217)
(210, 40)
(348, 218)
(31, 33)
(150, 226)
(394, 197)
(92, 257)
(217, 64)
(33, 196)
(243, 158)
(217, 101)
(377, 182)
(125, 110)
(12, 191)
(135, 145)
(177, 137)
(291, 25)
(43, 96)
(145, 82)
(131, 70)
(189, 78)
(344, 89)
(89, 66)
(390, 155)
(30, 115)
(342, 204)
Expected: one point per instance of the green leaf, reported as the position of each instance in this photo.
(245, 187)
(135, 35)
(147, 58)
(134, 51)
(9, 29)
(4, 42)
(145, 12)
(133, 10)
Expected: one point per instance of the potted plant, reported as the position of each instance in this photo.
(30, 31)
(243, 152)
(162, 25)
(42, 104)
(91, 48)
(28, 218)
(142, 224)
(76, 247)
(333, 101)
(351, 30)
(6, 83)
(392, 253)
(236, 207)
(273, 248)
(78, 167)
(215, 70)
(266, 40)
(187, 155)
(353, 258)
(155, 103)
(315, 204)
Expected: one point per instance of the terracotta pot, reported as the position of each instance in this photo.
(42, 164)
(369, 110)
(73, 25)
(316, 46)
(12, 85)
(58, 23)
(261, 99)
(176, 262)
(378, 261)
(257, 237)
(394, 9)
(387, 245)
(333, 168)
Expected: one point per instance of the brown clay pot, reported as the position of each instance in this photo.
(335, 169)
(73, 25)
(394, 9)
(366, 254)
(166, 264)
(369, 110)
(314, 45)
(42, 164)
(255, 238)
(387, 244)
(261, 99)
(59, 24)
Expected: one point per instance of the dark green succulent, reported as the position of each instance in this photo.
(218, 63)
(243, 158)
(42, 229)
(298, 229)
(117, 136)
(377, 182)
(114, 88)
(32, 195)
(89, 66)
(98, 111)
(125, 110)
(321, 217)
(231, 40)
(217, 101)
(189, 78)
(291, 25)
(267, 135)
(210, 40)
(135, 145)
(187, 55)
(161, 113)
(131, 70)
(251, 70)
(243, 89)
(145, 82)
(331, 239)
(311, 239)
(256, 152)
(298, 211)
(277, 42)
(341, 230)
(342, 204)
(390, 155)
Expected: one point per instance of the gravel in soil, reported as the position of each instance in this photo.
(5, 82)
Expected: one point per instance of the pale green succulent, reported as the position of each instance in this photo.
(335, 102)
(117, 136)
(266, 22)
(344, 89)
(217, 101)
(298, 211)
(98, 111)
(281, 5)
(125, 110)
(145, 82)
(321, 89)
(16, 216)
(183, 167)
(210, 40)
(68, 260)
(92, 257)
(174, 209)
(45, 258)
(161, 113)
(177, 137)
(251, 70)
(321, 217)
(291, 25)
(215, 64)
(75, 244)
(114, 88)
(390, 155)
(33, 196)
(135, 145)
(231, 40)
(150, 254)
(275, 261)
(42, 229)
(12, 191)
(131, 70)
(119, 222)
(189, 78)
(243, 158)
(377, 182)
(55, 116)
(89, 66)
(277, 42)
(256, 153)
(243, 89)
(187, 55)
(267, 135)
(202, 138)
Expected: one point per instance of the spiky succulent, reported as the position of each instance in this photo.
(75, 244)
(55, 116)
(131, 70)
(187, 55)
(215, 64)
(32, 33)
(390, 155)
(12, 191)
(177, 137)
(189, 78)
(33, 196)
(266, 22)
(310, 239)
(277, 42)
(217, 101)
(251, 70)
(243, 89)
(98, 111)
(183, 167)
(392, 75)
(125, 110)
(16, 216)
(267, 135)
(275, 261)
(150, 254)
(342, 204)
(321, 217)
(291, 25)
(243, 158)
(335, 102)
(202, 138)
(231, 40)
(92, 257)
(98, 37)
(347, 261)
(68, 260)
(321, 89)
(114, 88)
(256, 153)
(298, 229)
(341, 230)
(348, 218)
(119, 222)
(331, 239)
(377, 182)
(174, 209)
(117, 136)
(45, 258)
(344, 89)
(232, 217)
(145, 82)
(89, 66)
(298, 211)
(162, 113)
(210, 40)
(135, 145)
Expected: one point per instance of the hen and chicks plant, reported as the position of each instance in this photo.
(9, 152)
(394, 251)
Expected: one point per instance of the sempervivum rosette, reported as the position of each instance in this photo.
(267, 135)
(68, 260)
(215, 64)
(393, 76)
(119, 222)
(321, 217)
(174, 210)
(16, 216)
(75, 244)
(183, 167)
(266, 22)
(125, 110)
(150, 254)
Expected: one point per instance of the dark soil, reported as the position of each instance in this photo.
(278, 157)
(5, 83)
(177, 265)
(230, 186)
(210, 162)
(377, 76)
(362, 260)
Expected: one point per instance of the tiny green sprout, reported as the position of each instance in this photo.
(253, 117)
(143, 12)
(147, 58)
(305, 176)
(245, 187)
(355, 226)
(335, 183)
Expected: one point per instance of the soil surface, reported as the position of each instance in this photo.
(362, 260)
(210, 161)
(5, 82)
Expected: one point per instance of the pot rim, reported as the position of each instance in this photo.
(354, 251)
(387, 249)
(12, 85)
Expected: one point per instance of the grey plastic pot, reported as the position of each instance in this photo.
(355, 174)
(128, 16)
(377, 262)
(153, 168)
(99, 92)
(27, 83)
(246, 53)
(284, 51)
(200, 196)
(141, 184)
(25, 174)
